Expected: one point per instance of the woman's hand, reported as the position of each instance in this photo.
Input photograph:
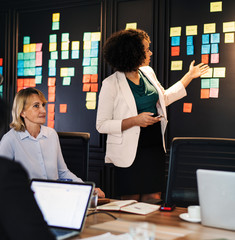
(99, 192)
(145, 119)
(198, 70)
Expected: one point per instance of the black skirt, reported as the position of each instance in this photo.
(147, 173)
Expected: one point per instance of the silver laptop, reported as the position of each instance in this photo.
(216, 191)
(64, 205)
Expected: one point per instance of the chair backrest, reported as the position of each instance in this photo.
(187, 154)
(75, 150)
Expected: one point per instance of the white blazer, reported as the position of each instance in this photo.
(116, 102)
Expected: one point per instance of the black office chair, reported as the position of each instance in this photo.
(75, 150)
(187, 154)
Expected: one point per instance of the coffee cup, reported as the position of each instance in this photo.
(194, 212)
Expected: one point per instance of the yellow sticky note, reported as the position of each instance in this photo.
(91, 96)
(91, 105)
(95, 36)
(26, 48)
(175, 31)
(32, 47)
(191, 30)
(87, 45)
(75, 45)
(209, 28)
(216, 6)
(64, 46)
(229, 27)
(131, 25)
(219, 72)
(64, 72)
(52, 47)
(55, 17)
(229, 38)
(176, 65)
(208, 74)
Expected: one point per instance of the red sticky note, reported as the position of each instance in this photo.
(1, 61)
(51, 97)
(215, 58)
(205, 93)
(51, 90)
(86, 87)
(20, 82)
(94, 78)
(51, 82)
(94, 87)
(86, 78)
(51, 116)
(51, 108)
(205, 58)
(175, 51)
(32, 82)
(51, 124)
(63, 108)
(26, 82)
(187, 108)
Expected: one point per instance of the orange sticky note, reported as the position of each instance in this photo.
(86, 78)
(94, 87)
(94, 78)
(205, 58)
(51, 116)
(63, 108)
(20, 82)
(1, 61)
(175, 51)
(86, 87)
(187, 108)
(51, 108)
(19, 88)
(205, 93)
(32, 82)
(51, 90)
(51, 97)
(51, 124)
(26, 82)
(51, 82)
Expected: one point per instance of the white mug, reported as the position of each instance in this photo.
(194, 212)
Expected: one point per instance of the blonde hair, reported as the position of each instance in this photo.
(19, 103)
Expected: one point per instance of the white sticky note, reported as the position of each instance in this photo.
(131, 25)
(208, 74)
(175, 31)
(229, 26)
(229, 38)
(219, 72)
(176, 65)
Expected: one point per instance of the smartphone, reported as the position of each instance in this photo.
(167, 208)
(157, 116)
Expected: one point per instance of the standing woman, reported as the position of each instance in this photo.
(129, 102)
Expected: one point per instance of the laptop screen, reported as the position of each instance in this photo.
(63, 204)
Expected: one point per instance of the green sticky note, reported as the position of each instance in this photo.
(64, 54)
(55, 25)
(32, 55)
(214, 83)
(87, 53)
(94, 61)
(66, 81)
(31, 63)
(26, 56)
(65, 37)
(26, 63)
(86, 61)
(26, 40)
(31, 71)
(75, 54)
(52, 63)
(71, 71)
(1, 88)
(20, 56)
(205, 83)
(90, 70)
(54, 55)
(87, 36)
(38, 79)
(52, 38)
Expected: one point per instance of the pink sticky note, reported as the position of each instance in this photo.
(38, 61)
(215, 58)
(38, 47)
(214, 92)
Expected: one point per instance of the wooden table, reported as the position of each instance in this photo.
(166, 220)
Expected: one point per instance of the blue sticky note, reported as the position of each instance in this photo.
(94, 44)
(1, 88)
(215, 38)
(189, 40)
(215, 48)
(175, 41)
(20, 72)
(26, 40)
(205, 49)
(205, 39)
(190, 50)
(94, 52)
(52, 72)
(20, 64)
(75, 54)
(38, 71)
(1, 70)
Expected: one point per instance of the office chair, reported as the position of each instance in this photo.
(187, 154)
(75, 150)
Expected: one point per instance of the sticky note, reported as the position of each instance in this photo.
(229, 38)
(20, 56)
(215, 38)
(71, 72)
(32, 82)
(20, 72)
(205, 83)
(55, 17)
(205, 49)
(26, 82)
(54, 55)
(91, 105)
(175, 51)
(94, 87)
(214, 92)
(94, 53)
(214, 48)
(91, 96)
(205, 93)
(94, 61)
(175, 41)
(75, 45)
(51, 124)
(52, 38)
(51, 107)
(209, 28)
(20, 82)
(86, 78)
(229, 26)
(65, 37)
(51, 63)
(208, 74)
(26, 48)
(26, 40)
(38, 71)
(95, 36)
(55, 25)
(32, 47)
(52, 47)
(205, 39)
(64, 46)
(51, 97)
(51, 89)
(94, 44)
(214, 83)
(86, 87)
(86, 61)
(94, 78)
(87, 36)
(51, 81)
(175, 31)
(187, 107)
(189, 40)
(38, 79)
(215, 58)
(216, 6)
(38, 47)
(51, 116)
(131, 25)
(63, 108)
(205, 58)
(190, 50)
(52, 72)
(38, 61)
(219, 72)
(191, 30)
(75, 54)
(66, 81)
(176, 65)
(87, 53)
(64, 72)
(20, 64)
(64, 55)
(90, 70)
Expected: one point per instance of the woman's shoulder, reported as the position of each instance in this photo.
(47, 131)
(114, 77)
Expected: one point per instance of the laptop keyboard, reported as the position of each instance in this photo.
(59, 232)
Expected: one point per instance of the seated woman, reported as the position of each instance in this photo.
(35, 146)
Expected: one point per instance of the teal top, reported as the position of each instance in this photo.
(145, 94)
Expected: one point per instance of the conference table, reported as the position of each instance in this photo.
(169, 226)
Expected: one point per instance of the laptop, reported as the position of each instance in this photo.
(64, 205)
(216, 191)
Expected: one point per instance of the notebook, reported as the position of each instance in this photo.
(216, 191)
(63, 204)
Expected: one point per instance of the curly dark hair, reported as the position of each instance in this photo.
(124, 50)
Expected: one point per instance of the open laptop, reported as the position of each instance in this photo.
(63, 204)
(216, 191)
